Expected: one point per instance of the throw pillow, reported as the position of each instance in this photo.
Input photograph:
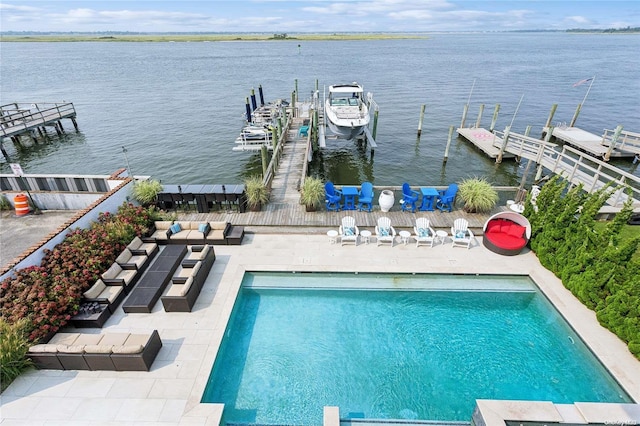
(384, 232)
(516, 231)
(175, 228)
(423, 232)
(202, 227)
(348, 232)
(460, 234)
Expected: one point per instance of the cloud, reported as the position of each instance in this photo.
(577, 20)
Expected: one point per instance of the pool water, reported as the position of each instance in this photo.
(413, 352)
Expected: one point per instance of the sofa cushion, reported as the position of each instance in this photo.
(218, 225)
(88, 339)
(44, 348)
(494, 226)
(111, 339)
(64, 338)
(73, 349)
(175, 290)
(163, 224)
(95, 290)
(127, 349)
(186, 286)
(112, 272)
(124, 257)
(98, 349)
(516, 230)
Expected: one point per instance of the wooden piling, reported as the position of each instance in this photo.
(265, 159)
(527, 130)
(494, 119)
(75, 124)
(446, 150)
(479, 120)
(614, 140)
(254, 104)
(296, 89)
(547, 138)
(421, 118)
(551, 114)
(375, 125)
(295, 105)
(464, 115)
(505, 138)
(575, 115)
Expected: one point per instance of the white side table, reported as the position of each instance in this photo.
(333, 236)
(405, 235)
(366, 236)
(441, 236)
(518, 208)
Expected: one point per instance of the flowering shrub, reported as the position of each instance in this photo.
(49, 295)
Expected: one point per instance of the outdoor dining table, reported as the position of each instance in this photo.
(205, 196)
(349, 193)
(429, 196)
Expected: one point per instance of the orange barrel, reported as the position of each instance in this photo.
(21, 203)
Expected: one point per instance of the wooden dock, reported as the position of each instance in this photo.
(598, 146)
(484, 140)
(31, 120)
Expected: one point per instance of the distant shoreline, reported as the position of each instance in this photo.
(150, 38)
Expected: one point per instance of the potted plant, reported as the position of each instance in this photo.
(257, 193)
(146, 192)
(478, 195)
(312, 193)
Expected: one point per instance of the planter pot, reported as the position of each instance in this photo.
(310, 208)
(386, 200)
(255, 207)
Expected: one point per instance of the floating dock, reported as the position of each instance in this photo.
(483, 139)
(598, 146)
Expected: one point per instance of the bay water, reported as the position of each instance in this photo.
(178, 107)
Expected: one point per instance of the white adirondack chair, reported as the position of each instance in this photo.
(424, 234)
(348, 231)
(385, 232)
(461, 235)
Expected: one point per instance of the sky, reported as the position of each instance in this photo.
(282, 16)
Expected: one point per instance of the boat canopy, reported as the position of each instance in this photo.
(346, 88)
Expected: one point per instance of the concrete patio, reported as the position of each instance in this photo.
(170, 393)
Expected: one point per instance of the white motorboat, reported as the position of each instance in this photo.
(346, 110)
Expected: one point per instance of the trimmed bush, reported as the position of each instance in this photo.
(594, 263)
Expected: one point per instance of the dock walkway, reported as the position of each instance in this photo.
(483, 139)
(598, 146)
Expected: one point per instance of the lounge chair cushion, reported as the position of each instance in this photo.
(112, 272)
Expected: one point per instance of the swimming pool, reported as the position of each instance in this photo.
(425, 350)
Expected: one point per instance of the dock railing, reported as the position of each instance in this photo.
(581, 168)
(627, 141)
(276, 153)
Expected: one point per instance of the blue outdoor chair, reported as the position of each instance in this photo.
(409, 198)
(365, 197)
(332, 197)
(447, 198)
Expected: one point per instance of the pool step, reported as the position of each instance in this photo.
(399, 422)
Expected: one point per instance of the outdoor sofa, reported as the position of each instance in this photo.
(84, 351)
(188, 279)
(193, 232)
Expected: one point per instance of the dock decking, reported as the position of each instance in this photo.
(17, 119)
(591, 143)
(483, 139)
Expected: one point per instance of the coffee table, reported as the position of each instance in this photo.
(91, 315)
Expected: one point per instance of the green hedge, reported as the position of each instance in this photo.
(593, 262)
